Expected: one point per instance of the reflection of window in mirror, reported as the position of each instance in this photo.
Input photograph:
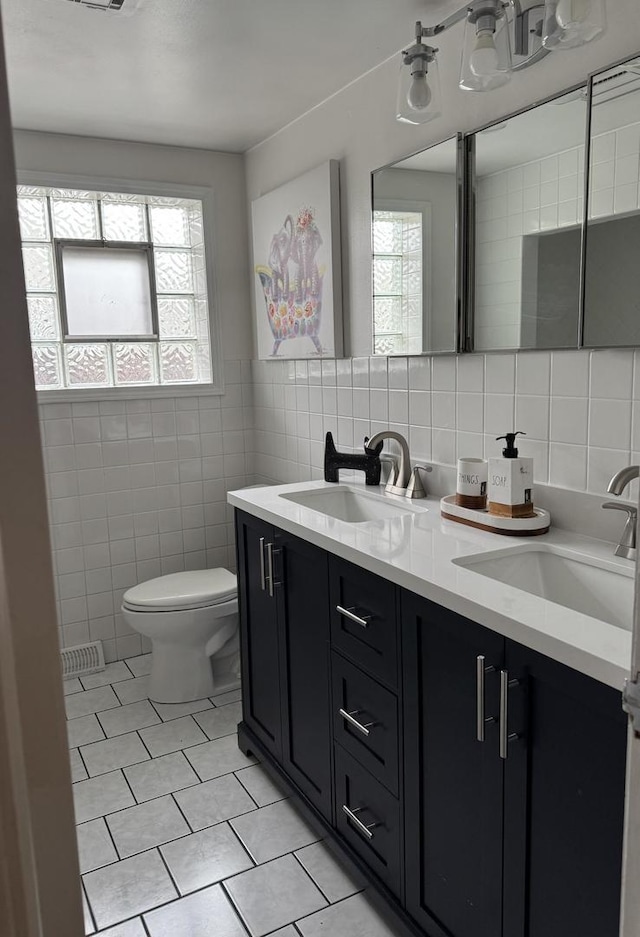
(415, 253)
(398, 249)
(612, 270)
(529, 209)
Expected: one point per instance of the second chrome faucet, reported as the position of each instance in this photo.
(627, 544)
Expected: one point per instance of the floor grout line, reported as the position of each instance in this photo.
(228, 822)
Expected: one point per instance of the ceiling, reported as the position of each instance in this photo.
(219, 74)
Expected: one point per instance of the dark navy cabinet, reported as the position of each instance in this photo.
(284, 639)
(259, 638)
(477, 784)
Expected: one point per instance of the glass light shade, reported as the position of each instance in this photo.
(571, 23)
(486, 55)
(418, 95)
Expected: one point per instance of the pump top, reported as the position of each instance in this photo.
(510, 451)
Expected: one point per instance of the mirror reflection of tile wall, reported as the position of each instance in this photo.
(529, 207)
(612, 283)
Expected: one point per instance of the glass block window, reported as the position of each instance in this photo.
(135, 315)
(397, 282)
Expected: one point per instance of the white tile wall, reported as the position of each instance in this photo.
(137, 489)
(580, 410)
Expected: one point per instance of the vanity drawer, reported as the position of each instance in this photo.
(368, 818)
(365, 721)
(363, 620)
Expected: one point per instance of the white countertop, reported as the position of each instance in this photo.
(416, 550)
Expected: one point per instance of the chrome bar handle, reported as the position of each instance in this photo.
(505, 735)
(363, 828)
(270, 582)
(349, 717)
(481, 720)
(263, 581)
(362, 620)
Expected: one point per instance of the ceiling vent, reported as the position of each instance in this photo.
(126, 7)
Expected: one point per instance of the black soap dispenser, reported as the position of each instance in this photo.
(511, 481)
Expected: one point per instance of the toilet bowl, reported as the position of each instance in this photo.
(191, 619)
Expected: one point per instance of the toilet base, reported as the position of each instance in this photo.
(179, 674)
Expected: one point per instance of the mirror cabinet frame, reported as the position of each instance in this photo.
(466, 223)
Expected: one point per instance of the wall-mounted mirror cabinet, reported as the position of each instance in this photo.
(612, 257)
(526, 238)
(488, 243)
(415, 252)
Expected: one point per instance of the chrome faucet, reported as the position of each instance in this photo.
(627, 545)
(402, 481)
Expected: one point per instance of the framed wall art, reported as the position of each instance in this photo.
(297, 267)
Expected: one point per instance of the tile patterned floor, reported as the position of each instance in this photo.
(181, 835)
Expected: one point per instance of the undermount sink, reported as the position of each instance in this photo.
(596, 588)
(347, 504)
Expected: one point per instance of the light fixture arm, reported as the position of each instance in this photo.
(475, 8)
(524, 24)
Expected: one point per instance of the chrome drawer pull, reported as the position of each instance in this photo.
(349, 717)
(350, 613)
(481, 720)
(505, 735)
(363, 828)
(271, 584)
(263, 581)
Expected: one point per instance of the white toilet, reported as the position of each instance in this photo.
(192, 621)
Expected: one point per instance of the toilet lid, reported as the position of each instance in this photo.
(196, 589)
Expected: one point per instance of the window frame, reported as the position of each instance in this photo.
(59, 245)
(206, 196)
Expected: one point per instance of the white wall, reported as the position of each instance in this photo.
(578, 408)
(137, 488)
(358, 127)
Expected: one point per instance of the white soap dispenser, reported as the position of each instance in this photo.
(511, 482)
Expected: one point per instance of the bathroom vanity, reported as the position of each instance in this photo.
(460, 739)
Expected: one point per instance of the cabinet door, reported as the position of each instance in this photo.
(258, 633)
(453, 781)
(303, 603)
(564, 800)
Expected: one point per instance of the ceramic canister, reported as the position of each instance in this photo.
(471, 486)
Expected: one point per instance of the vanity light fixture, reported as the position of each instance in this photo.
(419, 83)
(501, 37)
(486, 56)
(571, 23)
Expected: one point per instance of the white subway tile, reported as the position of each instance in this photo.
(443, 410)
(533, 373)
(570, 373)
(602, 466)
(470, 373)
(532, 416)
(610, 424)
(444, 373)
(420, 373)
(379, 404)
(443, 446)
(498, 414)
(569, 420)
(500, 374)
(470, 416)
(612, 374)
(378, 376)
(399, 406)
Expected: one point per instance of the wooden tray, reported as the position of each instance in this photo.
(508, 526)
